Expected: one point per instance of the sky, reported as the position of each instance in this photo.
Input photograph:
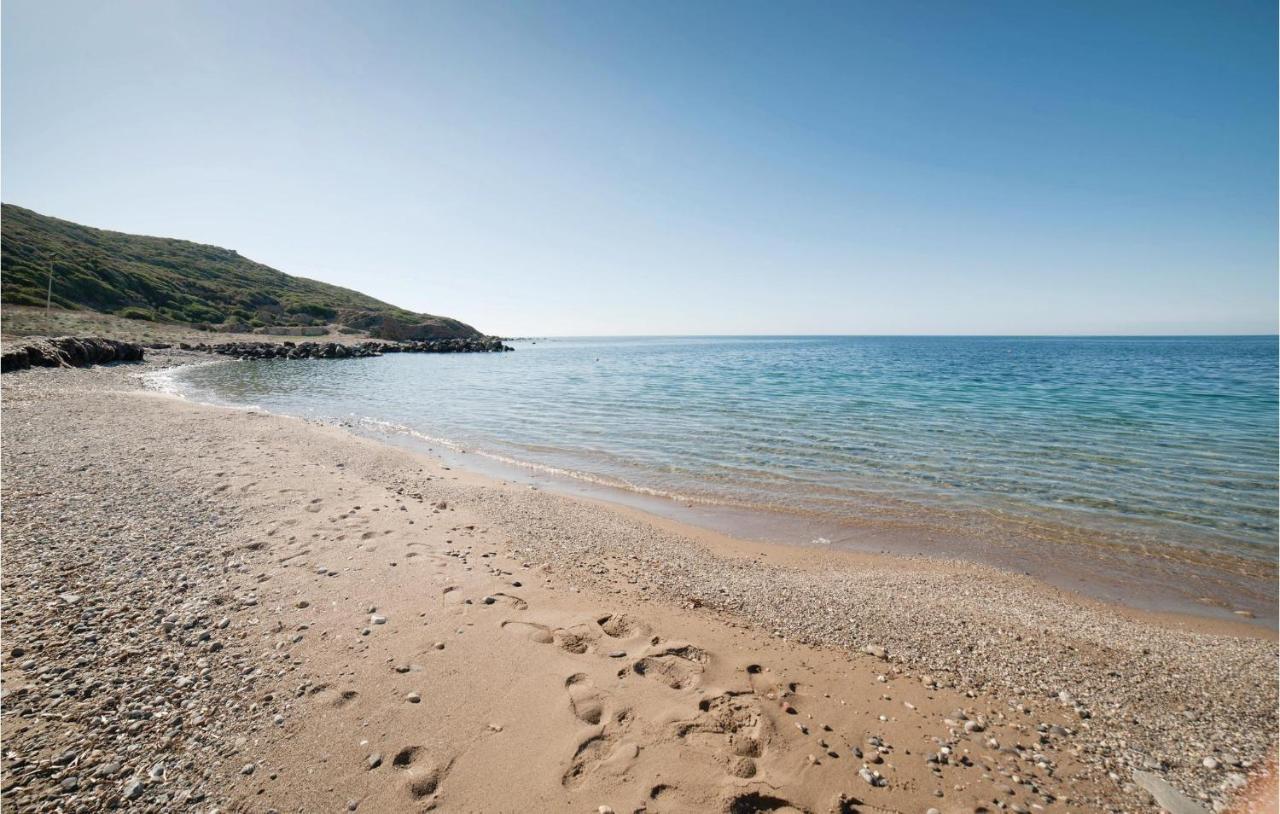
(605, 168)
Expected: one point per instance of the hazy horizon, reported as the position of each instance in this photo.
(576, 169)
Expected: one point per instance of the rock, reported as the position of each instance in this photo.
(248, 768)
(1209, 763)
(877, 651)
(376, 619)
(413, 698)
(132, 790)
(374, 760)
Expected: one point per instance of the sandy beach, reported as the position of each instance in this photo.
(221, 609)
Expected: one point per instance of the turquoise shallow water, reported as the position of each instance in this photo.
(1165, 443)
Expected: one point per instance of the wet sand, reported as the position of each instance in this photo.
(210, 607)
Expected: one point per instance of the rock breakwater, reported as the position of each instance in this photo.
(338, 350)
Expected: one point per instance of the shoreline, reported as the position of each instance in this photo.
(1177, 583)
(956, 636)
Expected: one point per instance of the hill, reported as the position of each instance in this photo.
(167, 280)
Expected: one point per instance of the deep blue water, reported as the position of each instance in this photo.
(1168, 442)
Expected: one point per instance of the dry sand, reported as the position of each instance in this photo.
(217, 608)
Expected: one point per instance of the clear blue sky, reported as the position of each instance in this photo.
(623, 168)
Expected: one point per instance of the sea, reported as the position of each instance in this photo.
(1141, 470)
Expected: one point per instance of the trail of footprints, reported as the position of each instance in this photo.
(729, 724)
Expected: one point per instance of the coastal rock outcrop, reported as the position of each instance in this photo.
(69, 351)
(338, 350)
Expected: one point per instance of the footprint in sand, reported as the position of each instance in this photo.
(422, 780)
(679, 666)
(585, 700)
(532, 631)
(601, 753)
(622, 626)
(576, 640)
(733, 724)
(505, 599)
(334, 698)
(756, 801)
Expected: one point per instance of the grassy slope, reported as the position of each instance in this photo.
(181, 282)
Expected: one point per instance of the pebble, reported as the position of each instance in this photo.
(413, 698)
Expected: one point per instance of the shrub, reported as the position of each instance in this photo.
(134, 312)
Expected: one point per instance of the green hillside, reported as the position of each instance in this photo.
(167, 280)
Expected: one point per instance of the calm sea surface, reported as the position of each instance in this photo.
(1164, 445)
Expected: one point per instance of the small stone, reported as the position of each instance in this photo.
(248, 768)
(375, 619)
(374, 760)
(70, 784)
(132, 790)
(1209, 763)
(438, 645)
(413, 698)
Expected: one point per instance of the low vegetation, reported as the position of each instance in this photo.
(163, 280)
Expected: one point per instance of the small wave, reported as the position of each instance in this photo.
(167, 380)
(546, 469)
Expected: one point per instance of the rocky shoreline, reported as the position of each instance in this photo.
(71, 351)
(353, 350)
